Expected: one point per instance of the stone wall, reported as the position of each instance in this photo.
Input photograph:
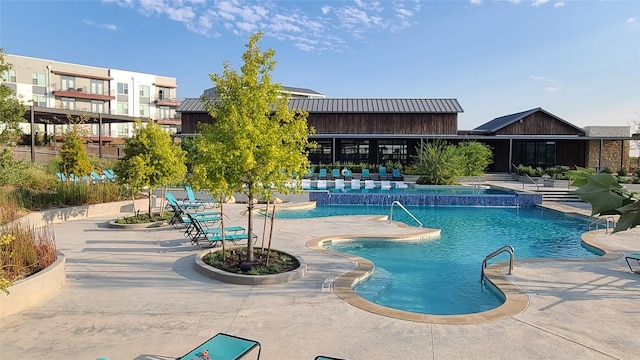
(615, 153)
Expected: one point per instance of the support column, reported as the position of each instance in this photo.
(33, 136)
(100, 136)
(600, 155)
(510, 154)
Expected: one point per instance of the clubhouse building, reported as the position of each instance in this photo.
(376, 131)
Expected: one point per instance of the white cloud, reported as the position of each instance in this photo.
(538, 3)
(297, 22)
(553, 84)
(475, 2)
(559, 4)
(111, 27)
(631, 21)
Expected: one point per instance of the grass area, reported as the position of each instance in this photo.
(264, 262)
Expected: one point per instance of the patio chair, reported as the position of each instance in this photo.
(635, 257)
(62, 177)
(74, 178)
(310, 173)
(335, 174)
(365, 174)
(181, 218)
(322, 184)
(355, 183)
(382, 172)
(396, 175)
(96, 178)
(200, 231)
(110, 176)
(223, 347)
(369, 184)
(322, 174)
(110, 172)
(339, 183)
(191, 196)
(385, 185)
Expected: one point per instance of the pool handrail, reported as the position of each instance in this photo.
(405, 209)
(506, 248)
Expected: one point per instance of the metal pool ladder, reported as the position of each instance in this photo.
(610, 220)
(506, 248)
(405, 210)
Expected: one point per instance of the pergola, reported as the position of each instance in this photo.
(47, 115)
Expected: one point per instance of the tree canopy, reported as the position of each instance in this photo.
(150, 160)
(256, 143)
(11, 111)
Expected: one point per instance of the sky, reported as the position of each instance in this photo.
(579, 60)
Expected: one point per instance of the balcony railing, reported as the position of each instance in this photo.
(167, 101)
(82, 92)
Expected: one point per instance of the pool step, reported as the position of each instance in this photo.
(559, 196)
(498, 177)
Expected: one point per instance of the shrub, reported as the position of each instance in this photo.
(606, 170)
(24, 250)
(438, 162)
(475, 157)
(622, 171)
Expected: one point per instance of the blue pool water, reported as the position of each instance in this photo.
(441, 190)
(442, 276)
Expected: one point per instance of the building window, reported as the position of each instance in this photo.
(164, 112)
(97, 106)
(123, 88)
(9, 75)
(97, 87)
(68, 103)
(68, 83)
(144, 91)
(123, 108)
(535, 153)
(39, 100)
(144, 110)
(392, 151)
(356, 151)
(38, 79)
(321, 154)
(164, 93)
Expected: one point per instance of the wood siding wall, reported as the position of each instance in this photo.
(441, 124)
(190, 122)
(539, 123)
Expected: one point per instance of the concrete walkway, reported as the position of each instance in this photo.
(134, 294)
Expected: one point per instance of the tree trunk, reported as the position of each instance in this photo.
(224, 254)
(250, 225)
(149, 193)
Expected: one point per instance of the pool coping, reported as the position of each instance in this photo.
(516, 301)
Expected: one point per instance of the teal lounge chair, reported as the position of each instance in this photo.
(322, 174)
(310, 173)
(335, 173)
(365, 174)
(192, 197)
(74, 178)
(108, 175)
(110, 172)
(96, 178)
(61, 177)
(383, 173)
(223, 347)
(396, 175)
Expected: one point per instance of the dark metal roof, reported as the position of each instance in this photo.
(355, 105)
(504, 121)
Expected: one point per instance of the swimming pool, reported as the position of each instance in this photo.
(441, 276)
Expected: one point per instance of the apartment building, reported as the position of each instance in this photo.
(116, 96)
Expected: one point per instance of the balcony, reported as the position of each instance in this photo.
(82, 93)
(163, 101)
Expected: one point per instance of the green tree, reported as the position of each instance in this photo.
(437, 162)
(11, 113)
(475, 157)
(73, 155)
(150, 160)
(256, 144)
(607, 197)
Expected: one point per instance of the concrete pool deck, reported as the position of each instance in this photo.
(134, 294)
